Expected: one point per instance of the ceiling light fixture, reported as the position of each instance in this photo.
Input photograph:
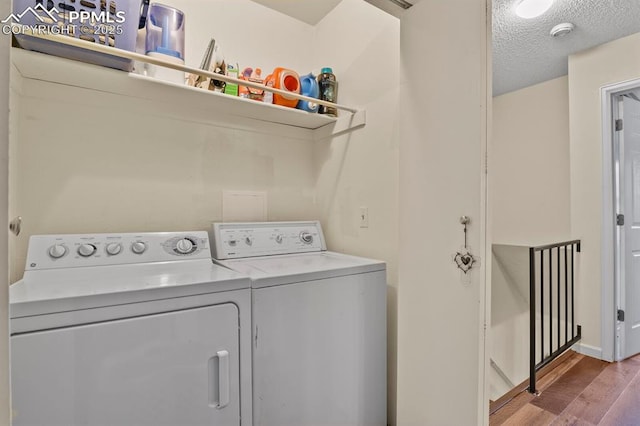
(528, 9)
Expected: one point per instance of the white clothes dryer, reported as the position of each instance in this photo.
(124, 329)
(319, 325)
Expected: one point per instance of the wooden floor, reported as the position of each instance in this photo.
(579, 391)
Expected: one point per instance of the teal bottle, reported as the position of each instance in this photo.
(328, 91)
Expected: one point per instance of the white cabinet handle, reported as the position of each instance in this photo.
(219, 392)
(223, 378)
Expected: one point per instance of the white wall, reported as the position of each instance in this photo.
(4, 197)
(249, 34)
(361, 168)
(165, 174)
(589, 71)
(543, 154)
(529, 204)
(509, 327)
(529, 165)
(444, 103)
(15, 98)
(155, 175)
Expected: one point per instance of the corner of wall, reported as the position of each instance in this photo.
(360, 168)
(5, 63)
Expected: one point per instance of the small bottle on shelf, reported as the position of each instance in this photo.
(328, 91)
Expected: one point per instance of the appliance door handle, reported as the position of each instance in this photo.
(219, 392)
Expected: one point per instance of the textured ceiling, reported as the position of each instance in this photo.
(309, 11)
(524, 53)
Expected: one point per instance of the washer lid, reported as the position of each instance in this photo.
(60, 290)
(291, 268)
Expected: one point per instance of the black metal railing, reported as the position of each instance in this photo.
(552, 302)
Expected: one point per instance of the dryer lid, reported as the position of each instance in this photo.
(60, 290)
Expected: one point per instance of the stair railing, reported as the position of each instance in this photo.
(552, 294)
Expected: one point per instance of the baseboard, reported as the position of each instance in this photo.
(588, 350)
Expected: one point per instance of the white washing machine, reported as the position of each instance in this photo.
(129, 329)
(319, 325)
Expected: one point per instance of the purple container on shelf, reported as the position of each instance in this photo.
(108, 22)
(165, 40)
(165, 31)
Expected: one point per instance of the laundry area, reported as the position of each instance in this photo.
(318, 212)
(212, 205)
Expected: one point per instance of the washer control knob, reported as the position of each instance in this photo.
(113, 249)
(138, 247)
(279, 238)
(86, 250)
(232, 243)
(56, 251)
(248, 241)
(184, 246)
(306, 237)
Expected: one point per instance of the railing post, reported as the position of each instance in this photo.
(573, 306)
(566, 295)
(558, 291)
(542, 304)
(532, 320)
(550, 300)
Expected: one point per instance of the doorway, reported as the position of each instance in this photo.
(621, 227)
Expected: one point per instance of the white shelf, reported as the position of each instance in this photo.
(43, 67)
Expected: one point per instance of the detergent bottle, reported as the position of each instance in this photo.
(309, 87)
(284, 79)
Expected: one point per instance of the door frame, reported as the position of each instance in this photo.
(610, 274)
(5, 66)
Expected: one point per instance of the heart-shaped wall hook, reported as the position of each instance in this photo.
(464, 260)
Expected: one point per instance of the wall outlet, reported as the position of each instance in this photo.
(364, 217)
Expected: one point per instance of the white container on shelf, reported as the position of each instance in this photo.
(164, 73)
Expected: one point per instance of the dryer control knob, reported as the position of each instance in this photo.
(138, 247)
(114, 248)
(279, 238)
(57, 251)
(184, 246)
(86, 250)
(248, 241)
(306, 237)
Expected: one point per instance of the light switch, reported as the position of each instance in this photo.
(364, 217)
